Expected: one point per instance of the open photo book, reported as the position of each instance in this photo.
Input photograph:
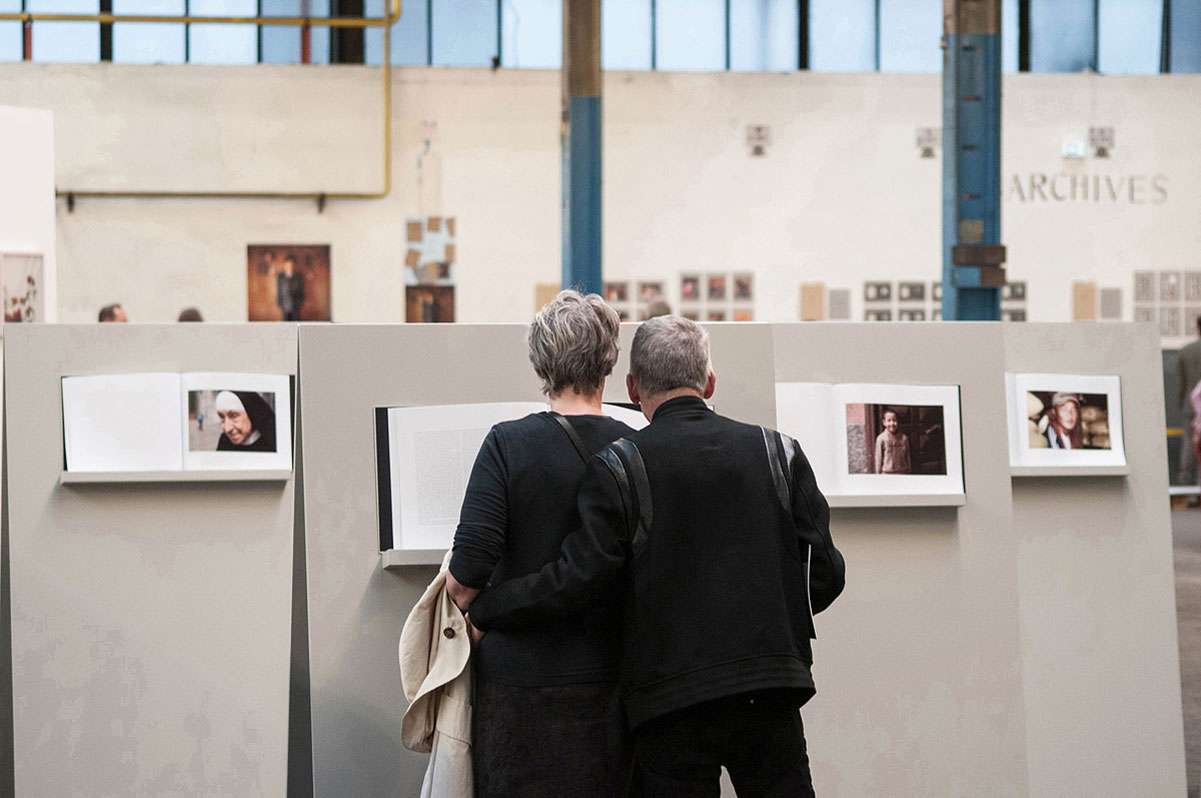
(876, 440)
(166, 421)
(424, 460)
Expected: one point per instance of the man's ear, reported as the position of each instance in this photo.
(710, 384)
(632, 390)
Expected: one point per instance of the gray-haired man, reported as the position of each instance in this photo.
(721, 540)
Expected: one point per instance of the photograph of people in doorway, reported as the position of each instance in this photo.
(288, 282)
(896, 439)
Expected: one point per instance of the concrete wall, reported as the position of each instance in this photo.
(27, 191)
(842, 196)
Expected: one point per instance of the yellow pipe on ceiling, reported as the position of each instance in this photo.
(320, 197)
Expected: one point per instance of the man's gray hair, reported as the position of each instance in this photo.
(573, 343)
(670, 352)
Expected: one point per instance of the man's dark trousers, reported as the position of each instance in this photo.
(757, 737)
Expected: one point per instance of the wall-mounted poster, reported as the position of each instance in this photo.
(22, 277)
(199, 420)
(429, 303)
(876, 440)
(430, 250)
(1065, 420)
(287, 282)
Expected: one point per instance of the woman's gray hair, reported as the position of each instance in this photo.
(573, 343)
(670, 352)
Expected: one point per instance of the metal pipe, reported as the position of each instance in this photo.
(315, 196)
(329, 22)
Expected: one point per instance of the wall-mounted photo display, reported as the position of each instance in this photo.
(877, 292)
(430, 250)
(22, 279)
(424, 457)
(429, 304)
(1065, 420)
(690, 287)
(876, 440)
(744, 286)
(197, 420)
(650, 291)
(287, 282)
(617, 291)
(911, 292)
(717, 286)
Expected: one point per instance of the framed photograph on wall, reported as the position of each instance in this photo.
(430, 304)
(288, 282)
(22, 277)
(1065, 421)
(877, 440)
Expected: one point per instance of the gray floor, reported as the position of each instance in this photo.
(1186, 533)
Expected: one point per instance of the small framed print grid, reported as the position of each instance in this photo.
(1171, 299)
(632, 299)
(916, 300)
(717, 296)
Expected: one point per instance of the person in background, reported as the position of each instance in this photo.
(113, 312)
(1188, 374)
(893, 455)
(289, 290)
(190, 314)
(546, 717)
(719, 578)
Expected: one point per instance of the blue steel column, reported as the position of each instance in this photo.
(581, 145)
(972, 270)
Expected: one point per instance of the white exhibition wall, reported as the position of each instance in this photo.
(27, 191)
(842, 196)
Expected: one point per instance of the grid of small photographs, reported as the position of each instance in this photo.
(1170, 299)
(915, 300)
(717, 296)
(637, 300)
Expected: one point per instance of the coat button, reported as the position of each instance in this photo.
(448, 633)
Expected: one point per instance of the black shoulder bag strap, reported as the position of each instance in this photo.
(779, 473)
(625, 461)
(782, 475)
(575, 436)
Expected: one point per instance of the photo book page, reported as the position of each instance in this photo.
(1065, 420)
(876, 440)
(424, 457)
(237, 421)
(177, 422)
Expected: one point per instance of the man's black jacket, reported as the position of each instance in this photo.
(717, 598)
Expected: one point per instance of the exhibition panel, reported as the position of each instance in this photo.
(356, 607)
(918, 665)
(1100, 656)
(150, 619)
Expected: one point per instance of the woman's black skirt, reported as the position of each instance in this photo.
(531, 742)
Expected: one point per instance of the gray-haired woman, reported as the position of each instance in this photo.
(546, 715)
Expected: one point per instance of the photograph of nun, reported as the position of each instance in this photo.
(239, 421)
